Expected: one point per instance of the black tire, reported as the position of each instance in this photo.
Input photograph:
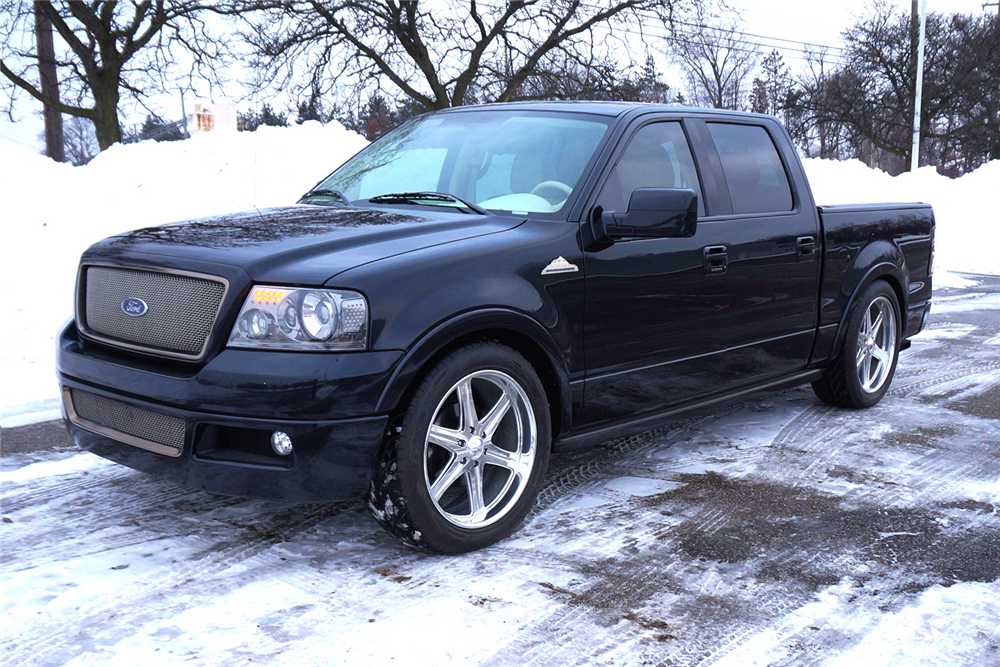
(861, 373)
(470, 481)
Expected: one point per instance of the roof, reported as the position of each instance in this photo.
(601, 108)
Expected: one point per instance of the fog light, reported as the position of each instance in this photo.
(281, 443)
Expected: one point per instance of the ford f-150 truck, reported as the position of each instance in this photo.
(477, 287)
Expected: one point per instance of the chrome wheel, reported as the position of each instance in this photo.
(876, 344)
(479, 449)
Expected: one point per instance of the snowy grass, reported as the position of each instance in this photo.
(53, 212)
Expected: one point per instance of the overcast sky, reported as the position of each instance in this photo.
(771, 23)
(821, 21)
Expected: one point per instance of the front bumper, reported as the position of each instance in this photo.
(223, 414)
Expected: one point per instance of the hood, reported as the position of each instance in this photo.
(300, 244)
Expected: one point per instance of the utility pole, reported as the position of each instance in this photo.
(993, 4)
(54, 147)
(184, 116)
(915, 150)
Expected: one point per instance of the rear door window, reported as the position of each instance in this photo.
(756, 177)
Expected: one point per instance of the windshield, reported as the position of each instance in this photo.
(506, 161)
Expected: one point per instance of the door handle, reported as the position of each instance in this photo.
(715, 259)
(806, 247)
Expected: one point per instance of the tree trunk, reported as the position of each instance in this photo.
(106, 125)
(49, 85)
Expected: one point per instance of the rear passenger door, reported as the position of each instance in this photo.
(672, 320)
(772, 241)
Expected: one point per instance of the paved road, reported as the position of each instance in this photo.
(777, 531)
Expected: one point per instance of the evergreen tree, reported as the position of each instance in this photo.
(759, 102)
(157, 129)
(650, 87)
(776, 80)
(249, 121)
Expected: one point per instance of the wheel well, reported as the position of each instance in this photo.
(896, 287)
(900, 297)
(523, 345)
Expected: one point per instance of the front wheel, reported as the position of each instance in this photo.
(463, 465)
(860, 375)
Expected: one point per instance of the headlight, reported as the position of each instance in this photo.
(302, 319)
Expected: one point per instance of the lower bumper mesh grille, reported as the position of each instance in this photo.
(163, 434)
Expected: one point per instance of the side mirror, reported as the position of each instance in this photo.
(654, 213)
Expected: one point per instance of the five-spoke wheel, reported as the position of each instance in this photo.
(876, 348)
(860, 374)
(465, 463)
(480, 448)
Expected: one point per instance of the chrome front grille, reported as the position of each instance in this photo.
(160, 433)
(181, 309)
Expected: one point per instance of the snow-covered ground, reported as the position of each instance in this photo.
(52, 212)
(778, 531)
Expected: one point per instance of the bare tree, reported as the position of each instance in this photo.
(111, 50)
(441, 54)
(812, 86)
(719, 62)
(968, 131)
(80, 140)
(864, 108)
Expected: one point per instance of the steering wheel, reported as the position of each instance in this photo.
(558, 185)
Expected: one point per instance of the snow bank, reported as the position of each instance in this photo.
(968, 236)
(52, 212)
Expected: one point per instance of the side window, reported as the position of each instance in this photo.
(657, 156)
(756, 177)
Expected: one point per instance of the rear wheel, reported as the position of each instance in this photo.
(463, 465)
(860, 375)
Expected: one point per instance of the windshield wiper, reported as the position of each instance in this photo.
(417, 197)
(320, 192)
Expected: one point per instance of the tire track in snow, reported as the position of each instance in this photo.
(53, 643)
(20, 495)
(130, 516)
(951, 375)
(706, 521)
(593, 468)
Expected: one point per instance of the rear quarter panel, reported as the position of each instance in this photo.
(866, 243)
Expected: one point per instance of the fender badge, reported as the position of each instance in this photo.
(560, 265)
(134, 307)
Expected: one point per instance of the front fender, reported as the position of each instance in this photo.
(509, 326)
(492, 286)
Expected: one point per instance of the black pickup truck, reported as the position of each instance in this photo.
(476, 288)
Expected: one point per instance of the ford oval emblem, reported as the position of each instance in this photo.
(134, 307)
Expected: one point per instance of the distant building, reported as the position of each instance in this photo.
(211, 117)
